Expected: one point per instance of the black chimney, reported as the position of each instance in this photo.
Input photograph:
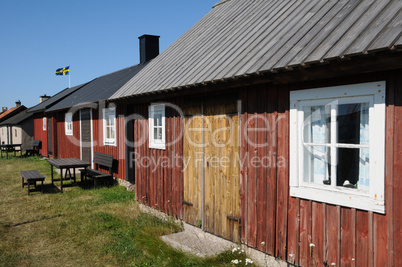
(149, 47)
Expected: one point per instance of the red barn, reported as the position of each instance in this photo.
(43, 123)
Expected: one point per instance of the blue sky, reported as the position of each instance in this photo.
(93, 37)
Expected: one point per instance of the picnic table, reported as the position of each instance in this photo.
(8, 148)
(68, 164)
(31, 177)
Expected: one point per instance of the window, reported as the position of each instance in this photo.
(44, 123)
(15, 132)
(157, 126)
(109, 126)
(337, 138)
(68, 123)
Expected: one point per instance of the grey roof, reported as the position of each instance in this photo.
(54, 99)
(241, 37)
(99, 89)
(18, 118)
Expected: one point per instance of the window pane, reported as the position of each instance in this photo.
(353, 123)
(364, 164)
(353, 168)
(317, 168)
(112, 133)
(158, 133)
(155, 133)
(158, 119)
(317, 124)
(108, 134)
(155, 119)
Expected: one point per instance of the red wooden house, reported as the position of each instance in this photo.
(43, 123)
(276, 124)
(86, 123)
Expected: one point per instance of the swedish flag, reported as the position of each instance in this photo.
(63, 71)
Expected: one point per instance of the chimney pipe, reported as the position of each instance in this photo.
(3, 109)
(149, 47)
(43, 98)
(17, 103)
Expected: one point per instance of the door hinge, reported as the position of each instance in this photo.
(234, 218)
(187, 203)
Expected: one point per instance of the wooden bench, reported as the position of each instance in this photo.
(31, 177)
(35, 148)
(100, 159)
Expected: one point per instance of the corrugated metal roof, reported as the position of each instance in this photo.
(99, 89)
(54, 99)
(240, 37)
(17, 119)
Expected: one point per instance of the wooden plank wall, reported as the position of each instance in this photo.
(288, 226)
(258, 175)
(118, 151)
(221, 166)
(40, 134)
(159, 173)
(68, 146)
(54, 135)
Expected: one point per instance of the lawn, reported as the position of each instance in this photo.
(82, 226)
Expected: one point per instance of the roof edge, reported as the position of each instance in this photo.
(220, 3)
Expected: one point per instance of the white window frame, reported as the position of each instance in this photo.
(374, 199)
(68, 123)
(109, 112)
(152, 111)
(44, 124)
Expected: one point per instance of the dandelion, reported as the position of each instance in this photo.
(242, 250)
(234, 250)
(235, 261)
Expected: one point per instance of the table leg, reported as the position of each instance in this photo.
(69, 174)
(74, 175)
(51, 172)
(84, 174)
(61, 180)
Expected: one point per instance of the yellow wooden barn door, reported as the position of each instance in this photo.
(221, 176)
(192, 184)
(211, 176)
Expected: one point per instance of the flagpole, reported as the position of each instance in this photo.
(69, 75)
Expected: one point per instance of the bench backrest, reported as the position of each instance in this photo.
(36, 143)
(105, 160)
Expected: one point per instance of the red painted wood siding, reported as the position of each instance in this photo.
(272, 221)
(287, 225)
(68, 145)
(159, 185)
(40, 134)
(118, 150)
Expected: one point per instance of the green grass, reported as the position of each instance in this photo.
(82, 226)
